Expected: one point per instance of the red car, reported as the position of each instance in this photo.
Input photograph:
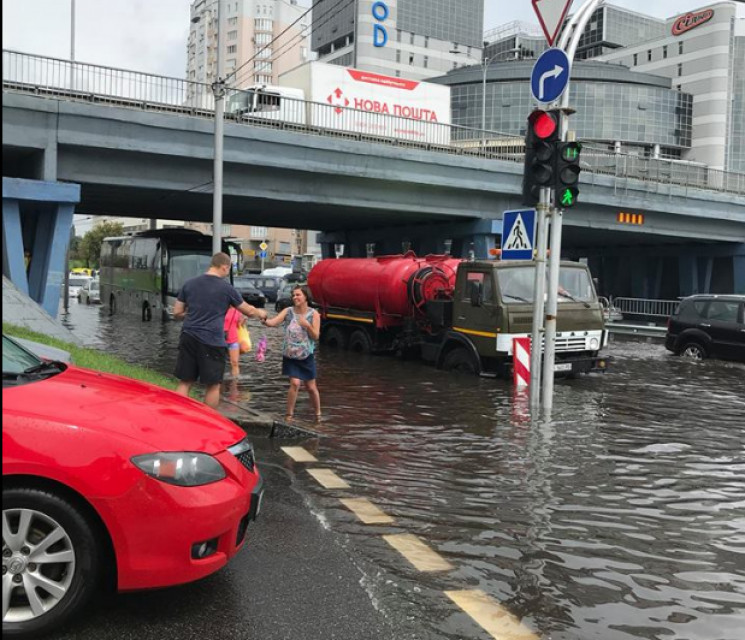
(110, 480)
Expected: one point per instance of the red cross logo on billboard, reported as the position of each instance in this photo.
(337, 98)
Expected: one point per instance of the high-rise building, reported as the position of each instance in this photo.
(255, 53)
(413, 39)
(673, 88)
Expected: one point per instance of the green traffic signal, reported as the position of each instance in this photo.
(566, 172)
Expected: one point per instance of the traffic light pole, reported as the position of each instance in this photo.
(539, 287)
(549, 355)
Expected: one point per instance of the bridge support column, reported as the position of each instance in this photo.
(38, 220)
(14, 267)
(738, 276)
(483, 243)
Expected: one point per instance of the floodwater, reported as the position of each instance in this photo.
(623, 517)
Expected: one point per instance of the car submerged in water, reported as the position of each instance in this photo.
(708, 325)
(111, 482)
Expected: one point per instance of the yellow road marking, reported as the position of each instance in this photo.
(418, 553)
(328, 479)
(366, 511)
(298, 454)
(491, 615)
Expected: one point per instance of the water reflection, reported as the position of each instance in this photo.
(624, 517)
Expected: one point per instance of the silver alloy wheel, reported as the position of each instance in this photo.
(38, 564)
(692, 350)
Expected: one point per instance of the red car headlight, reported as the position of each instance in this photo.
(184, 469)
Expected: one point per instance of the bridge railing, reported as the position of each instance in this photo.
(644, 307)
(64, 79)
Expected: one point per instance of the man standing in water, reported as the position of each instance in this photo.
(202, 303)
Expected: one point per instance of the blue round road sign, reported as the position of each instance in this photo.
(550, 75)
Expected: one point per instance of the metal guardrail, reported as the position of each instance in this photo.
(57, 78)
(644, 307)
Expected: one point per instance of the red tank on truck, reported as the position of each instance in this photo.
(328, 96)
(456, 314)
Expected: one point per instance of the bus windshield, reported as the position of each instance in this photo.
(516, 284)
(185, 264)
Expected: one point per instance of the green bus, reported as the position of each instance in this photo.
(142, 273)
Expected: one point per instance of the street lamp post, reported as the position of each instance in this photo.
(485, 67)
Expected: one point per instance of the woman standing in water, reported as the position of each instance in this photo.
(302, 326)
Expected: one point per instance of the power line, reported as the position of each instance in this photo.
(318, 21)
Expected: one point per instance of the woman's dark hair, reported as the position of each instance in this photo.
(306, 292)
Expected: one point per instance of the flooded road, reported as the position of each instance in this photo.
(623, 517)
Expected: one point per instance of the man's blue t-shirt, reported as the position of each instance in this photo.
(207, 299)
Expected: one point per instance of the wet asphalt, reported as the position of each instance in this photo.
(293, 580)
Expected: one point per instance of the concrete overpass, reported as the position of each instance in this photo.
(152, 164)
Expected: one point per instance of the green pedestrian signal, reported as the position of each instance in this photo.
(568, 197)
(567, 172)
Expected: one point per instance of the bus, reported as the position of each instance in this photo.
(142, 273)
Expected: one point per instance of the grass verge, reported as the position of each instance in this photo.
(94, 359)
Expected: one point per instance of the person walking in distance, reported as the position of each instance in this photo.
(302, 327)
(202, 303)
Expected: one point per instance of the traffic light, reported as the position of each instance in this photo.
(567, 174)
(540, 149)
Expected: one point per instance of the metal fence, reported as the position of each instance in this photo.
(644, 307)
(63, 79)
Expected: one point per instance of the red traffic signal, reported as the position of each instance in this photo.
(540, 150)
(543, 124)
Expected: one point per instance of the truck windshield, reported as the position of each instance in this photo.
(516, 284)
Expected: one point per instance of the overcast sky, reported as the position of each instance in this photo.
(150, 35)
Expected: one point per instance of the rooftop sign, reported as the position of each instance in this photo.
(691, 21)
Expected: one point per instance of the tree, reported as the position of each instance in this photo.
(90, 245)
(75, 248)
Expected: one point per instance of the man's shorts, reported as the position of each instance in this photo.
(199, 361)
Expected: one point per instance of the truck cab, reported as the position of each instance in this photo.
(492, 304)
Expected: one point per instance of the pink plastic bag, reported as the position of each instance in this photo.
(261, 349)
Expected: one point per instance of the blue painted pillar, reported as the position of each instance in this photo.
(48, 261)
(14, 266)
(41, 214)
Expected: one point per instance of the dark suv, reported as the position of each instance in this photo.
(268, 285)
(708, 326)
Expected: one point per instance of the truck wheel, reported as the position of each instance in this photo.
(335, 337)
(461, 361)
(360, 342)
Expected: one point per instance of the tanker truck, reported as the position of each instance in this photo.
(456, 314)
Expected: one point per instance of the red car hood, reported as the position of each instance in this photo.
(156, 417)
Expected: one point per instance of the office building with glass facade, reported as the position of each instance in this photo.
(639, 112)
(413, 39)
(700, 53)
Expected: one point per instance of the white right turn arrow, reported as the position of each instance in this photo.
(553, 73)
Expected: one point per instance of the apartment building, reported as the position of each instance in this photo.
(254, 51)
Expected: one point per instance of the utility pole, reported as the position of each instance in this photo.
(218, 89)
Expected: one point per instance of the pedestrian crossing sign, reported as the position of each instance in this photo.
(518, 234)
